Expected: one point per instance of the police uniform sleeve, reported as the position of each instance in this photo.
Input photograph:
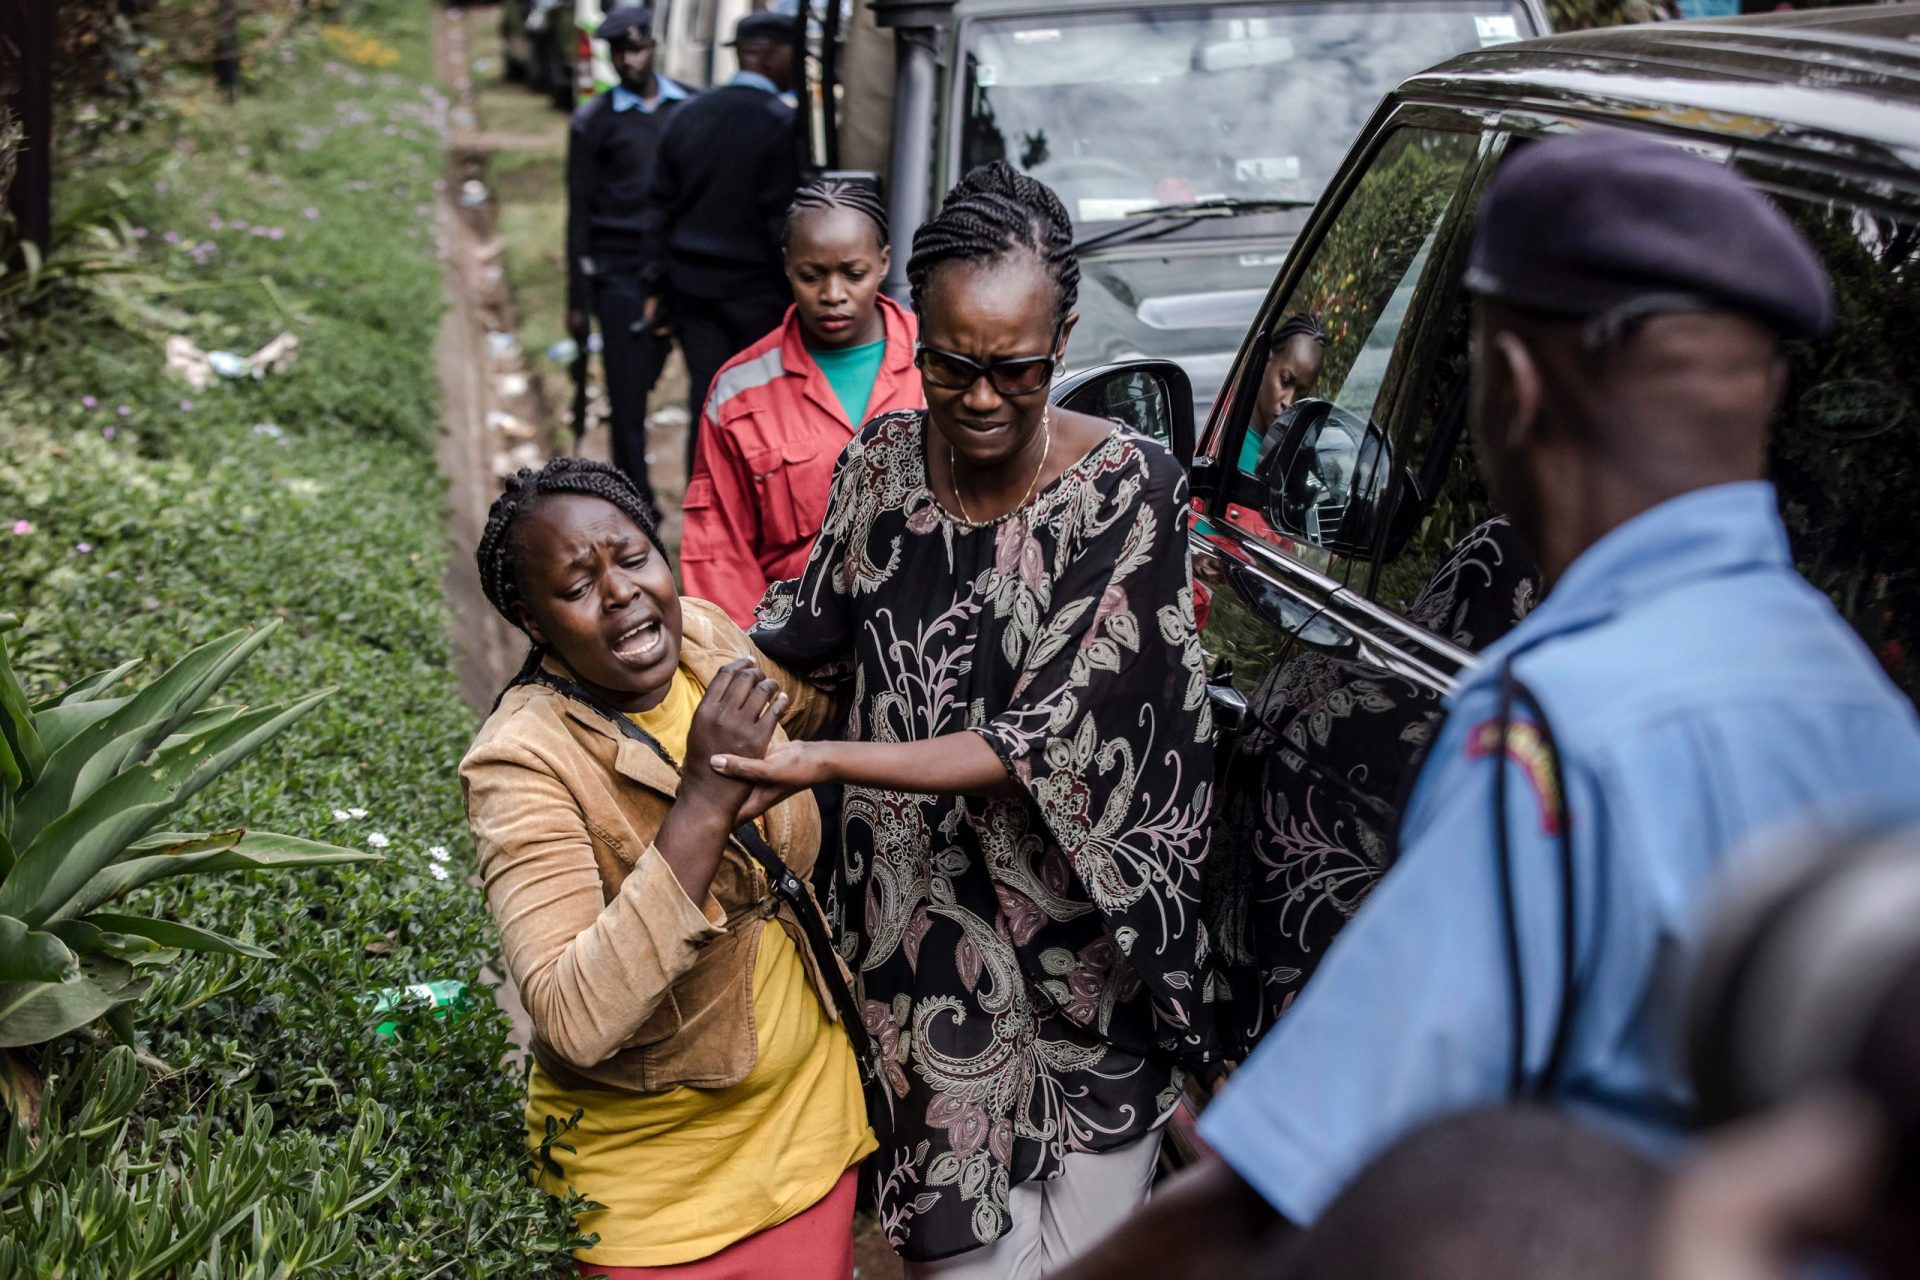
(1411, 1014)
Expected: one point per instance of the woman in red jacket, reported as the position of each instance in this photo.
(781, 411)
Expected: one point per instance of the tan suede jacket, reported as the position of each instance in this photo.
(630, 985)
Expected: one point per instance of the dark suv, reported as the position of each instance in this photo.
(1347, 562)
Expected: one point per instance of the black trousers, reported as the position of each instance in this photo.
(632, 358)
(713, 331)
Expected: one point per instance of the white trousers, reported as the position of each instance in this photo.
(1054, 1221)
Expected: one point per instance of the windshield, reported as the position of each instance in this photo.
(1124, 111)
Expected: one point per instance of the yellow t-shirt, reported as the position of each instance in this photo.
(687, 1172)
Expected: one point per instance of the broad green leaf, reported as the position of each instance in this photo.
(58, 725)
(16, 725)
(89, 939)
(100, 751)
(28, 955)
(35, 1012)
(73, 848)
(173, 843)
(87, 688)
(171, 933)
(10, 775)
(206, 720)
(257, 851)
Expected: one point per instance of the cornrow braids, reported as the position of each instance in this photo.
(499, 554)
(1300, 323)
(837, 193)
(994, 211)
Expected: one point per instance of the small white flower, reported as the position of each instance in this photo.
(439, 853)
(439, 872)
(378, 840)
(341, 815)
(356, 814)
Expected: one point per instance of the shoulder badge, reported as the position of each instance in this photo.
(1526, 747)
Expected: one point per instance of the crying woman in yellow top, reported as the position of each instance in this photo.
(674, 1000)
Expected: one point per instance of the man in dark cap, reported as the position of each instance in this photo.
(610, 152)
(727, 171)
(1679, 687)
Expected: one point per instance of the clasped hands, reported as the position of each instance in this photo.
(732, 759)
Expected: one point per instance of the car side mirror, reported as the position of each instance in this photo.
(1325, 472)
(1151, 397)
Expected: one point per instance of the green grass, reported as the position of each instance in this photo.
(310, 496)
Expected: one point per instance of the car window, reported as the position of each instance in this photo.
(1293, 486)
(1846, 447)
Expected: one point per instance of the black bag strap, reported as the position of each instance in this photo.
(786, 886)
(1513, 690)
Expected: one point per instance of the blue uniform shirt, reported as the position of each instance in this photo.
(622, 98)
(1698, 690)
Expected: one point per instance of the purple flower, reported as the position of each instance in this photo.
(88, 401)
(186, 406)
(21, 528)
(276, 233)
(84, 548)
(238, 225)
(125, 411)
(214, 223)
(139, 233)
(109, 431)
(310, 213)
(171, 237)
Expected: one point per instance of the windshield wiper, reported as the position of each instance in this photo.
(1163, 219)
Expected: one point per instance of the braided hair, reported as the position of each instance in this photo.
(837, 193)
(499, 555)
(994, 211)
(1299, 324)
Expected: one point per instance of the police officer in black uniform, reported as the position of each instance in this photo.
(610, 154)
(726, 172)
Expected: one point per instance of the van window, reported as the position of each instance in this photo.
(1846, 446)
(1359, 285)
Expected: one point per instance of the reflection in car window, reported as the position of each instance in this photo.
(1364, 273)
(1846, 447)
(1124, 111)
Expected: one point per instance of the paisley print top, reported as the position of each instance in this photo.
(1033, 968)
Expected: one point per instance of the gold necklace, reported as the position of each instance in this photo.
(1046, 447)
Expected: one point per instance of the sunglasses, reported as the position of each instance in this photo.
(1018, 376)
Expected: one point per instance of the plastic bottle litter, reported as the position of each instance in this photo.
(473, 193)
(565, 351)
(447, 999)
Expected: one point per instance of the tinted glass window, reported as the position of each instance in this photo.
(1294, 479)
(1455, 567)
(1846, 448)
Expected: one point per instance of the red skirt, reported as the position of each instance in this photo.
(814, 1245)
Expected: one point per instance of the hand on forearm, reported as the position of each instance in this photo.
(952, 764)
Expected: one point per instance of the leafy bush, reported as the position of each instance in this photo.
(282, 1131)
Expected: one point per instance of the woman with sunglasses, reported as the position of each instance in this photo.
(1001, 590)
(781, 411)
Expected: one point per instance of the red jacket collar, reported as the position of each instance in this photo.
(902, 331)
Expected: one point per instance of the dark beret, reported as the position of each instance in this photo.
(774, 28)
(1606, 223)
(621, 21)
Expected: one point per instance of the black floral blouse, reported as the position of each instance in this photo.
(1033, 968)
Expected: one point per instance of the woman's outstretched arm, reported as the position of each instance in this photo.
(952, 764)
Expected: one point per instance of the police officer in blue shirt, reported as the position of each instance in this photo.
(1680, 687)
